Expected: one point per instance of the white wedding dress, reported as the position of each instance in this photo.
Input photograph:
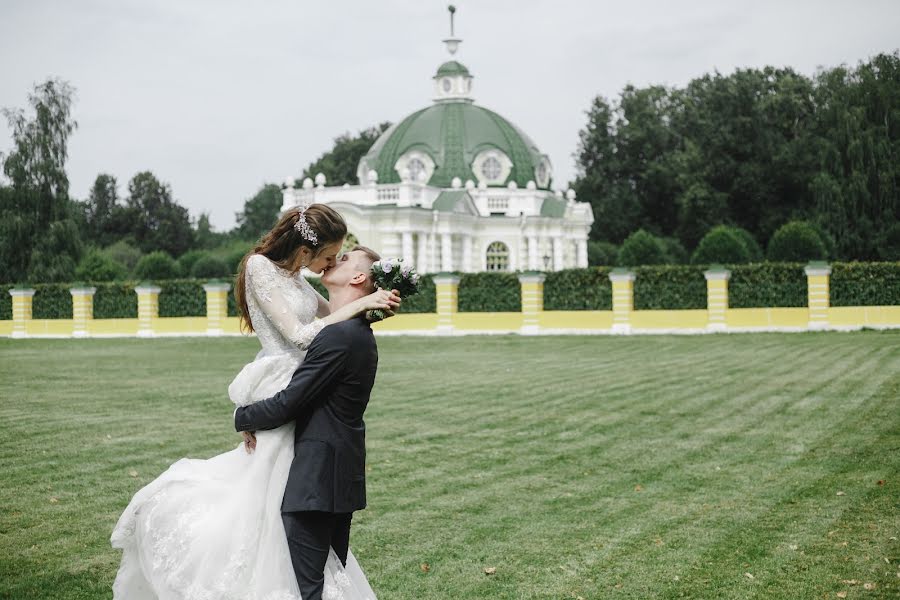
(212, 529)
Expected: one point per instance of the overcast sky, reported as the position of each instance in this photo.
(218, 97)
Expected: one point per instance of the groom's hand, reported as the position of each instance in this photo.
(249, 441)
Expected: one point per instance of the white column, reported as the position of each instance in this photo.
(582, 255)
(422, 254)
(407, 244)
(558, 264)
(446, 252)
(467, 254)
(533, 259)
(432, 253)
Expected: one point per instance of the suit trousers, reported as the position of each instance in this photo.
(309, 536)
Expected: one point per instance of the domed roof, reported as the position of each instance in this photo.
(453, 134)
(452, 67)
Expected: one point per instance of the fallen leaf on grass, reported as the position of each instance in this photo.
(638, 488)
(849, 581)
(842, 594)
(793, 546)
(490, 570)
(868, 586)
(881, 482)
(841, 494)
(53, 500)
(425, 567)
(133, 473)
(618, 586)
(749, 576)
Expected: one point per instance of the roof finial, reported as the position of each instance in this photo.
(452, 42)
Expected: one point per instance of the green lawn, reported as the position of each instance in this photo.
(727, 466)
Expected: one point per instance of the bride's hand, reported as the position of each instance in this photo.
(383, 299)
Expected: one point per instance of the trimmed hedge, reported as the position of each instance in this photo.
(669, 287)
(423, 302)
(767, 285)
(5, 303)
(490, 292)
(182, 298)
(115, 301)
(865, 284)
(52, 301)
(578, 289)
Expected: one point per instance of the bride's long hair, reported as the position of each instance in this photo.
(282, 246)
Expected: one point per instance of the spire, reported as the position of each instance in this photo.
(452, 42)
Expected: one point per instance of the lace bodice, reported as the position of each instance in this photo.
(282, 307)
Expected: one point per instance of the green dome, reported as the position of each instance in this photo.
(453, 134)
(452, 67)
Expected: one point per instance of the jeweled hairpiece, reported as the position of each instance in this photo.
(303, 228)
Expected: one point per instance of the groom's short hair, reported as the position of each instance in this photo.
(372, 256)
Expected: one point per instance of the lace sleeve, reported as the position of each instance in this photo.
(269, 288)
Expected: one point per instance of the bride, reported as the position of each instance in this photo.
(212, 529)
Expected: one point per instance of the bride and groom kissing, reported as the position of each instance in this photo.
(270, 520)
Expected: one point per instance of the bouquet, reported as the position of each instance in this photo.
(393, 274)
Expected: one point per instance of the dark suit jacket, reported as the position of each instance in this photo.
(327, 397)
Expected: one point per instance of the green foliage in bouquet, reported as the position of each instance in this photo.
(394, 274)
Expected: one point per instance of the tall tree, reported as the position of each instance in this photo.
(158, 221)
(35, 210)
(102, 202)
(339, 164)
(260, 212)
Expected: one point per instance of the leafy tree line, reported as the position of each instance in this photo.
(753, 150)
(48, 236)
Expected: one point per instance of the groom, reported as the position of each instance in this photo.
(327, 397)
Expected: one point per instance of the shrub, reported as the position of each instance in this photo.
(210, 267)
(669, 287)
(423, 302)
(5, 302)
(156, 266)
(124, 253)
(767, 285)
(187, 260)
(98, 266)
(490, 292)
(753, 247)
(578, 289)
(674, 250)
(115, 301)
(602, 254)
(642, 248)
(182, 298)
(722, 244)
(865, 284)
(797, 241)
(52, 301)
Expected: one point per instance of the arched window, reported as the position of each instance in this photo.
(416, 168)
(491, 168)
(497, 257)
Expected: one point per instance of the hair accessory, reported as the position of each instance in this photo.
(303, 228)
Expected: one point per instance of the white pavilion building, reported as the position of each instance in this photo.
(456, 187)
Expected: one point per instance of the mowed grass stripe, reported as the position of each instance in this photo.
(519, 453)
